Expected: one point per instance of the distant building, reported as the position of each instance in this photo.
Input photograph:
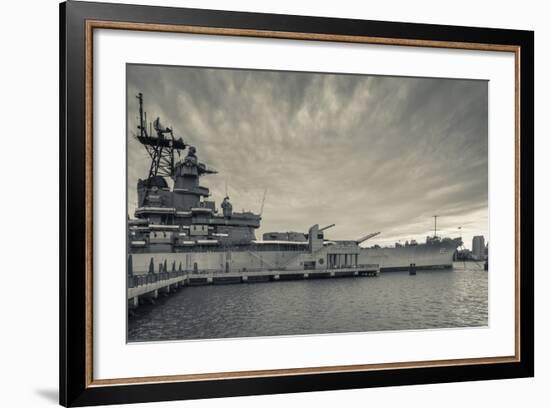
(478, 247)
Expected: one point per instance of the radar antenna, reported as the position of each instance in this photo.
(263, 202)
(160, 148)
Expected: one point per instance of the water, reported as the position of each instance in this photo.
(392, 301)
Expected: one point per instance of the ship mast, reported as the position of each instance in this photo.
(263, 202)
(161, 148)
(142, 129)
(435, 225)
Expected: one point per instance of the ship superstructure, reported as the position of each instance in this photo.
(173, 219)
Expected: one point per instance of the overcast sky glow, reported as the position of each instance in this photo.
(368, 153)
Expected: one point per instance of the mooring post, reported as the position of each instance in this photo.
(412, 269)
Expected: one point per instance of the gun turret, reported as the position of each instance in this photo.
(327, 227)
(369, 236)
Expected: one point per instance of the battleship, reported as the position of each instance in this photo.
(178, 224)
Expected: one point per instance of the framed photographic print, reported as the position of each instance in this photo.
(255, 203)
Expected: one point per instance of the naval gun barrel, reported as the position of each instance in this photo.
(369, 236)
(327, 227)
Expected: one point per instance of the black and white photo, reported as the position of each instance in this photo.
(276, 203)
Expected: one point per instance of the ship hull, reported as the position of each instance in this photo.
(215, 261)
(435, 255)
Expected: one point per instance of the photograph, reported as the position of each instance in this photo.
(283, 203)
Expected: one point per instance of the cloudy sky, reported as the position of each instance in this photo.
(368, 153)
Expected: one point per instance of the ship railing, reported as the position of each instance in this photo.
(274, 269)
(140, 280)
(359, 266)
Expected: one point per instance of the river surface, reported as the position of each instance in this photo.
(392, 301)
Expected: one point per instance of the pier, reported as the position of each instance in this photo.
(147, 287)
